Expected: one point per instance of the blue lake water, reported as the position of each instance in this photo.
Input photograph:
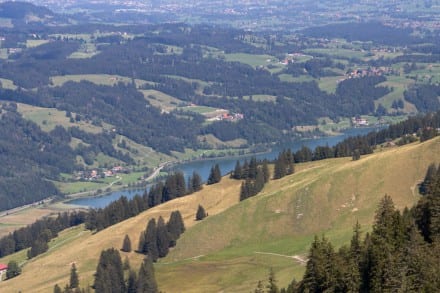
(203, 167)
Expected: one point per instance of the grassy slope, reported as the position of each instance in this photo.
(43, 272)
(236, 245)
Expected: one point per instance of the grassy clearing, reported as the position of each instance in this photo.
(199, 109)
(237, 243)
(99, 79)
(337, 52)
(35, 43)
(398, 84)
(87, 50)
(261, 98)
(48, 118)
(290, 78)
(161, 100)
(145, 156)
(6, 22)
(330, 83)
(217, 143)
(4, 53)
(7, 83)
(79, 186)
(430, 73)
(252, 60)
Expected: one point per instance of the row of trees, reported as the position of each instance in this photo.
(156, 239)
(114, 276)
(174, 186)
(37, 235)
(401, 254)
(255, 175)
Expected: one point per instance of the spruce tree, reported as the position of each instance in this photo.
(109, 276)
(163, 238)
(320, 268)
(175, 227)
(272, 283)
(196, 182)
(215, 175)
(429, 178)
(146, 282)
(266, 172)
(132, 282)
(150, 245)
(252, 173)
(141, 244)
(57, 289)
(74, 281)
(126, 244)
(237, 173)
(200, 214)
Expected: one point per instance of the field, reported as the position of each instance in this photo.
(253, 60)
(7, 84)
(238, 242)
(163, 101)
(35, 43)
(48, 118)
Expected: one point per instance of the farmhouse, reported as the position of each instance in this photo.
(3, 269)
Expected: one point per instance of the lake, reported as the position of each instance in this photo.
(227, 164)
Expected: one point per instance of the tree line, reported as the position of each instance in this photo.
(37, 235)
(114, 276)
(173, 187)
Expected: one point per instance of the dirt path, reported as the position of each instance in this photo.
(298, 258)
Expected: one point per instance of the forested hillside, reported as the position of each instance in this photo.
(137, 95)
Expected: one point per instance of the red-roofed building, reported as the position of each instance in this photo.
(3, 269)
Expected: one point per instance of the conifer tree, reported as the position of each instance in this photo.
(109, 276)
(132, 282)
(74, 281)
(266, 173)
(196, 182)
(126, 244)
(200, 214)
(150, 245)
(163, 238)
(175, 227)
(237, 173)
(141, 244)
(57, 289)
(272, 283)
(320, 268)
(146, 282)
(215, 175)
(252, 173)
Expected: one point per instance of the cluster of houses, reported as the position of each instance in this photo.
(372, 71)
(226, 116)
(290, 58)
(358, 121)
(95, 174)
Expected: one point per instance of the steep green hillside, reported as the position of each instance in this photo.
(237, 243)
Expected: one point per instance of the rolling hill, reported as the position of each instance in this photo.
(238, 242)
